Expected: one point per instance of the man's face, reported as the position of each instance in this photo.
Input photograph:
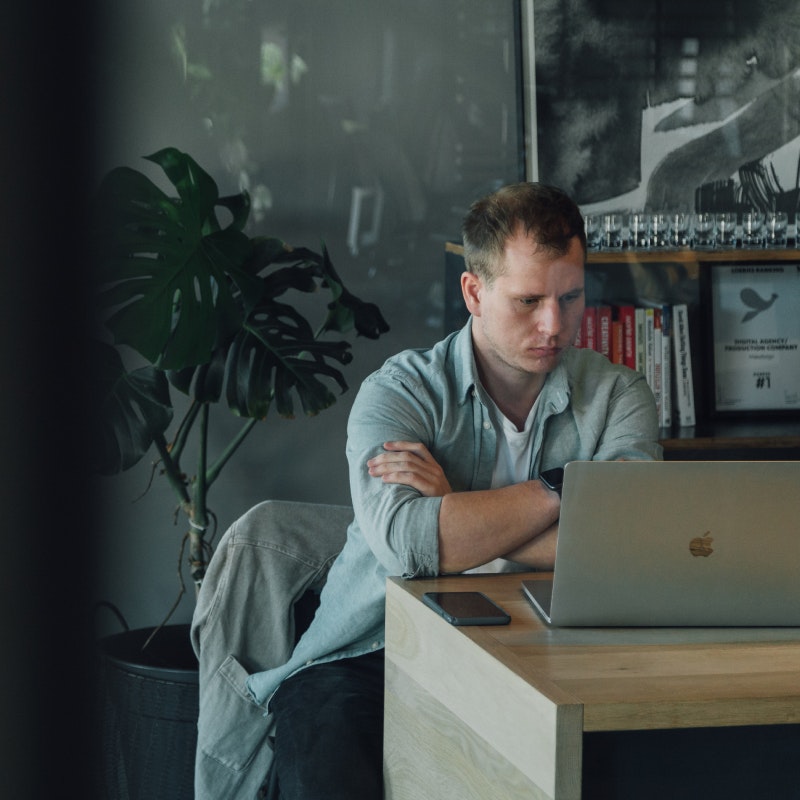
(531, 312)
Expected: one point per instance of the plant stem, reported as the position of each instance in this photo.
(194, 508)
(171, 469)
(182, 434)
(195, 505)
(198, 516)
(224, 457)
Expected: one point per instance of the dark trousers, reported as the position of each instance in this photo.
(329, 732)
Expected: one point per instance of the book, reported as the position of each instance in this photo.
(603, 340)
(639, 340)
(684, 386)
(626, 315)
(666, 367)
(649, 343)
(617, 345)
(656, 370)
(589, 328)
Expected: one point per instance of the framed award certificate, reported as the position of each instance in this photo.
(756, 337)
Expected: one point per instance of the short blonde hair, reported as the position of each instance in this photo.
(545, 213)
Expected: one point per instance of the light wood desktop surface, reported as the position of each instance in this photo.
(501, 711)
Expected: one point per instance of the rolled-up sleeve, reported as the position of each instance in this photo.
(400, 525)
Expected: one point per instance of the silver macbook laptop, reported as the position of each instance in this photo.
(676, 543)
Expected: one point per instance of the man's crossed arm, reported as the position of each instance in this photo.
(519, 522)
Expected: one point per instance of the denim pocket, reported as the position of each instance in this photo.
(231, 726)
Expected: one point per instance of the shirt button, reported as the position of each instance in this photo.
(487, 426)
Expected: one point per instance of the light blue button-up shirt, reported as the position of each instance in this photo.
(589, 409)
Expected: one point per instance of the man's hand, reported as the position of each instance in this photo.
(410, 463)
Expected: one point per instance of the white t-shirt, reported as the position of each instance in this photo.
(512, 465)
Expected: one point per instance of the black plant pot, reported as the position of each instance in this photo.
(148, 715)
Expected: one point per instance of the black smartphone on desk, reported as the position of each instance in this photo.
(466, 608)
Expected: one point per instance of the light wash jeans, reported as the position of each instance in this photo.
(244, 623)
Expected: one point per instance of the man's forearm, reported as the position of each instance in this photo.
(538, 553)
(476, 527)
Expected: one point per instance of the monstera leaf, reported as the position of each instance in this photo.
(175, 283)
(276, 354)
(134, 408)
(345, 311)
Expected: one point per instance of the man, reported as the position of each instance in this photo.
(445, 447)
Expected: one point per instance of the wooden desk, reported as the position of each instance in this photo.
(508, 712)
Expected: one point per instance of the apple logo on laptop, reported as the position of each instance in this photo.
(701, 545)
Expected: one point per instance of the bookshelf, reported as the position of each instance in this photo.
(671, 277)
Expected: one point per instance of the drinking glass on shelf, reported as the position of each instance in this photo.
(658, 229)
(705, 231)
(680, 229)
(612, 231)
(752, 223)
(639, 230)
(775, 227)
(591, 223)
(726, 229)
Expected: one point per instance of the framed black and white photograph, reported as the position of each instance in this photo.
(755, 322)
(680, 106)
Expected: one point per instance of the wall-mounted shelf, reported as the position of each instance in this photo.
(768, 439)
(688, 256)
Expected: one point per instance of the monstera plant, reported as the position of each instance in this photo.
(190, 303)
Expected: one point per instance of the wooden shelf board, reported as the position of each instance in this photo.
(679, 256)
(732, 443)
(747, 434)
(691, 256)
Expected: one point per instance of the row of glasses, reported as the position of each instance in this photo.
(660, 229)
(757, 229)
(641, 230)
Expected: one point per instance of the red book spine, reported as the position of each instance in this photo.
(603, 343)
(627, 319)
(616, 342)
(589, 332)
